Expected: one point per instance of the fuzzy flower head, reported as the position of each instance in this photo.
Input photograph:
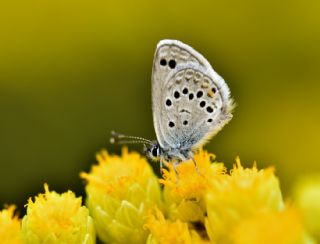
(57, 218)
(9, 226)
(120, 190)
(272, 227)
(240, 195)
(163, 231)
(185, 193)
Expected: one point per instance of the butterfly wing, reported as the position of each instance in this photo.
(191, 102)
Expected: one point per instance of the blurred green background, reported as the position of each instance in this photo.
(72, 71)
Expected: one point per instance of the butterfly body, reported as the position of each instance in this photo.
(156, 152)
(190, 102)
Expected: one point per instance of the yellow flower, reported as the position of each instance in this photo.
(57, 218)
(163, 231)
(185, 197)
(240, 195)
(283, 227)
(120, 191)
(307, 199)
(9, 226)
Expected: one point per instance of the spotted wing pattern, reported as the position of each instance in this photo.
(191, 102)
(192, 108)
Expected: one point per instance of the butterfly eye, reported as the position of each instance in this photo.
(163, 62)
(154, 152)
(172, 64)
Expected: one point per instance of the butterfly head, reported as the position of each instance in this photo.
(153, 151)
(151, 148)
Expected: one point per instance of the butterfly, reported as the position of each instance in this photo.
(190, 103)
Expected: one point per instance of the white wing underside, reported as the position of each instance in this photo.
(190, 101)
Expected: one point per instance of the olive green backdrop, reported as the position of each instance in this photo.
(71, 71)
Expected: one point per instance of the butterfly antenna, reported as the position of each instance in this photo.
(117, 138)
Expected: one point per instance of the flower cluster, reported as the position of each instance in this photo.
(127, 203)
(205, 205)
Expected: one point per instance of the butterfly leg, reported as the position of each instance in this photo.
(197, 168)
(175, 164)
(161, 166)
